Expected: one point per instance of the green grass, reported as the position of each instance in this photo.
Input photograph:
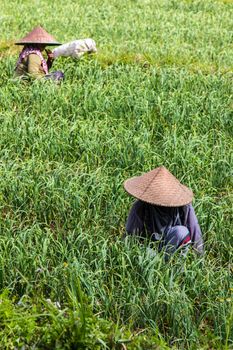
(158, 92)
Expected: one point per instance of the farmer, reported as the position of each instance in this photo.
(31, 61)
(163, 212)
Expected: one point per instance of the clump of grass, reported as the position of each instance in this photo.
(43, 324)
(7, 48)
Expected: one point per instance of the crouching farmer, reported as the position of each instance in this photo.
(31, 62)
(163, 212)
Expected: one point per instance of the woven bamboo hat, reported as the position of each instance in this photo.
(38, 36)
(159, 187)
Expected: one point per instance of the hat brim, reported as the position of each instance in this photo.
(37, 43)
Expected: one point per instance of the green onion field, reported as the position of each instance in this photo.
(158, 92)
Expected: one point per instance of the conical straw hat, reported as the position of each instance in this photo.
(159, 187)
(38, 36)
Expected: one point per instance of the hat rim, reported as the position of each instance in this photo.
(37, 42)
